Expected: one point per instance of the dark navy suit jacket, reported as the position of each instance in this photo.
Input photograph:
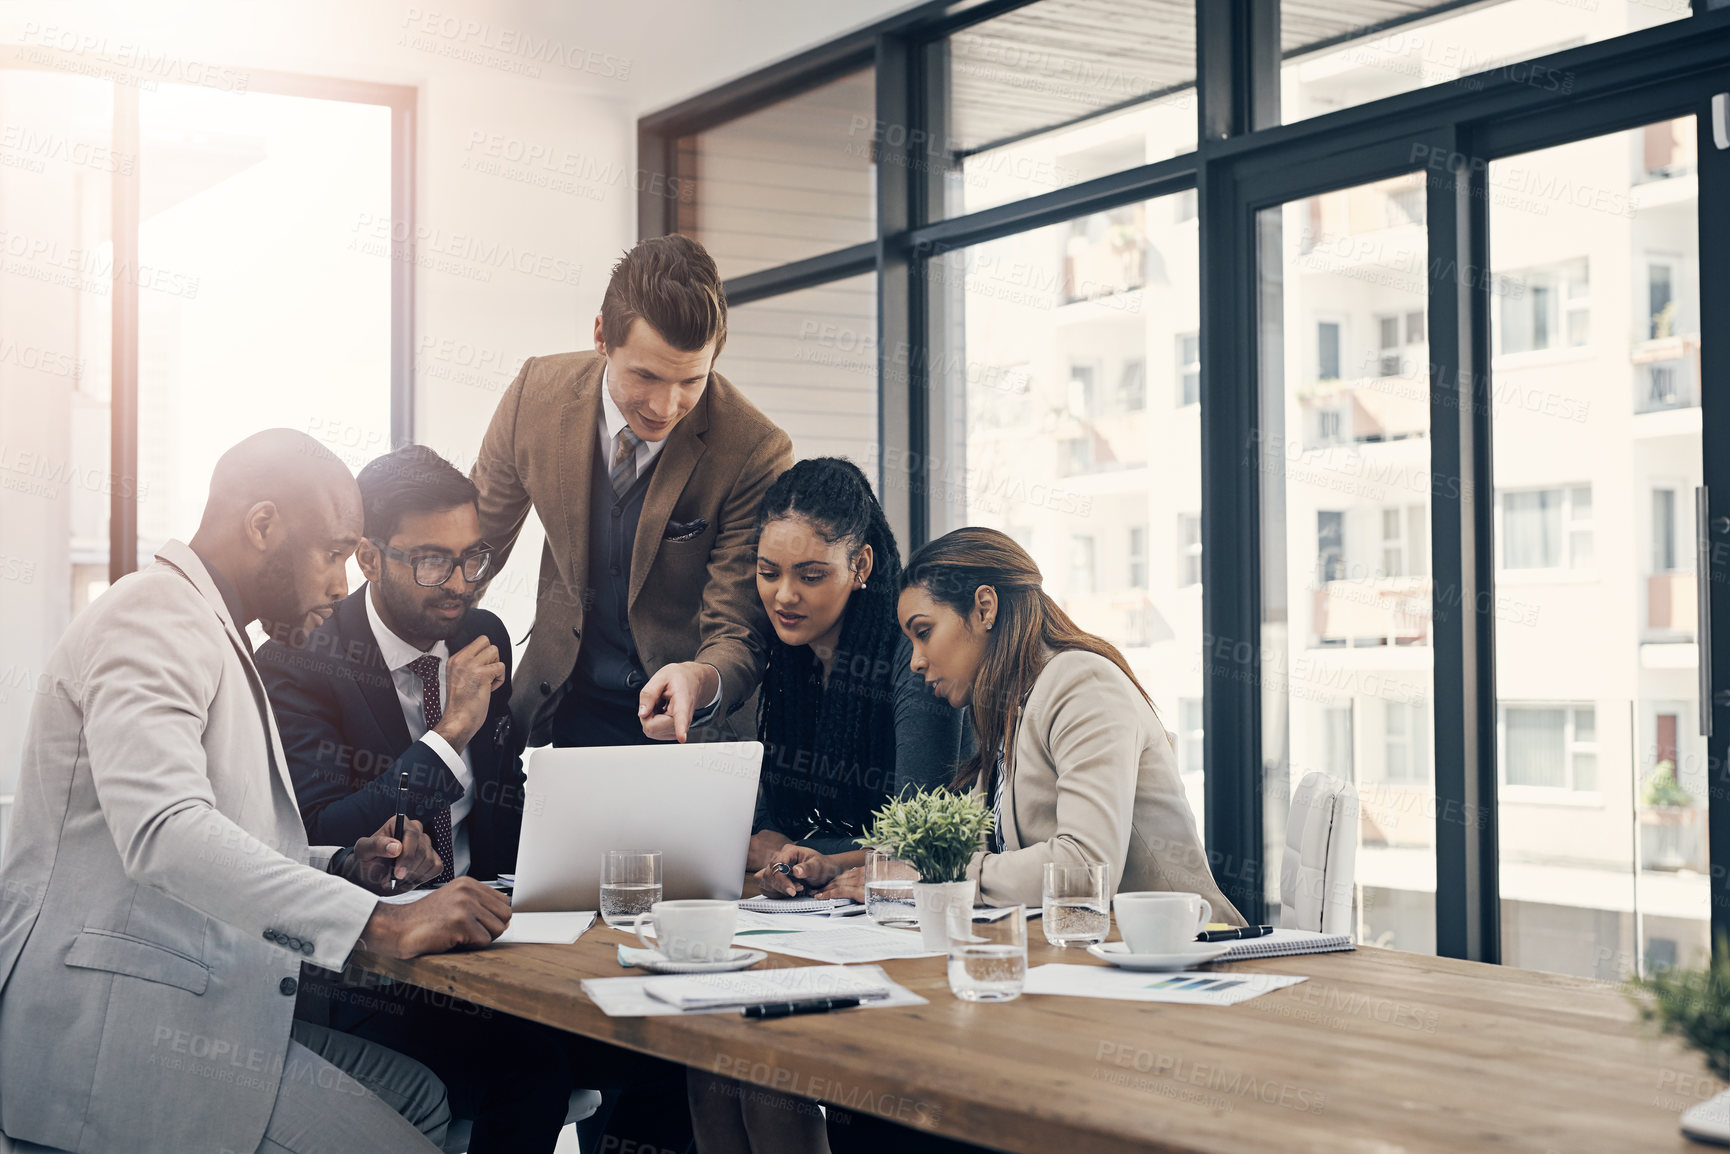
(347, 742)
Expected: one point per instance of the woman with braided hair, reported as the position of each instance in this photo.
(844, 721)
(845, 724)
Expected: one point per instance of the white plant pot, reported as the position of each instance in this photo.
(1709, 1121)
(933, 901)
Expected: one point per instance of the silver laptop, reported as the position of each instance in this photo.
(692, 802)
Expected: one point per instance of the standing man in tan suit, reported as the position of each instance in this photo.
(646, 468)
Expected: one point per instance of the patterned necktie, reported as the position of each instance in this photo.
(624, 471)
(427, 669)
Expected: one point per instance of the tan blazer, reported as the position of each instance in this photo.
(155, 901)
(1092, 777)
(690, 600)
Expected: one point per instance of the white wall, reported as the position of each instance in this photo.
(482, 101)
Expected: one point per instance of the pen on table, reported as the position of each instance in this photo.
(787, 1009)
(786, 871)
(1234, 935)
(401, 817)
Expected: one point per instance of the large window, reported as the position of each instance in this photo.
(249, 289)
(1038, 323)
(1176, 291)
(1059, 92)
(237, 200)
(1344, 455)
(1603, 797)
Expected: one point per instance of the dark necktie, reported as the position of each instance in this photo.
(439, 827)
(624, 468)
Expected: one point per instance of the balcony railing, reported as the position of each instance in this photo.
(1379, 611)
(1365, 411)
(1670, 603)
(1667, 373)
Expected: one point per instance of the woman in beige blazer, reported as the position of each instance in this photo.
(1071, 754)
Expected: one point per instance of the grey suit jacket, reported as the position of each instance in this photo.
(1092, 777)
(155, 899)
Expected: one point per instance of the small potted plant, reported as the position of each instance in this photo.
(1667, 820)
(937, 832)
(1694, 1005)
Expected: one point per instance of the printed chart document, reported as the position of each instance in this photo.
(557, 929)
(821, 939)
(630, 997)
(1187, 987)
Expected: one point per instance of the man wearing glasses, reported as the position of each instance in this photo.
(408, 676)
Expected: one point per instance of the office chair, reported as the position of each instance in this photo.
(583, 1104)
(1318, 870)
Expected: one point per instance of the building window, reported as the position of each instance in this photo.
(1660, 299)
(1545, 308)
(1547, 528)
(1553, 747)
(1330, 546)
(1399, 341)
(1405, 744)
(1189, 368)
(1327, 350)
(1132, 387)
(1190, 735)
(1405, 205)
(1081, 391)
(1185, 205)
(1188, 549)
(1082, 573)
(1405, 541)
(1663, 530)
(1138, 556)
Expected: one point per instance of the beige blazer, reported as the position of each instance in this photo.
(155, 900)
(691, 599)
(1092, 777)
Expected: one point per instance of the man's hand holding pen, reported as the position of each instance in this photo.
(385, 858)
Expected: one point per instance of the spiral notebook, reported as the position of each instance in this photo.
(1281, 943)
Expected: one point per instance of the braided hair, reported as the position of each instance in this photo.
(829, 751)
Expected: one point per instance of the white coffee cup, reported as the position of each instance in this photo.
(1160, 922)
(691, 930)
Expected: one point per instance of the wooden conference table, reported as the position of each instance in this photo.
(1379, 1051)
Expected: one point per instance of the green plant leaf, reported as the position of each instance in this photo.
(934, 830)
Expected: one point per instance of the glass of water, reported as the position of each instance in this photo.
(1076, 910)
(987, 953)
(630, 885)
(889, 890)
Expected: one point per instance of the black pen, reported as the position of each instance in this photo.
(1234, 935)
(401, 817)
(787, 1009)
(786, 871)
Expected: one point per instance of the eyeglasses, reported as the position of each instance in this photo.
(434, 569)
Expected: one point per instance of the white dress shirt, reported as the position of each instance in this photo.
(612, 420)
(398, 655)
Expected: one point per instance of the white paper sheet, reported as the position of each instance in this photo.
(627, 998)
(406, 897)
(1188, 987)
(546, 928)
(821, 939)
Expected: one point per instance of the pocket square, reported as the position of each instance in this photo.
(685, 530)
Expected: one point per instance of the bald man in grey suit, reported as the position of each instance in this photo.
(158, 894)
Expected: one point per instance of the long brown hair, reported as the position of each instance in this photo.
(951, 569)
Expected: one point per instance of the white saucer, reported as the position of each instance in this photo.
(1117, 953)
(740, 959)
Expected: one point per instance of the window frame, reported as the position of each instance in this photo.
(124, 207)
(1246, 160)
